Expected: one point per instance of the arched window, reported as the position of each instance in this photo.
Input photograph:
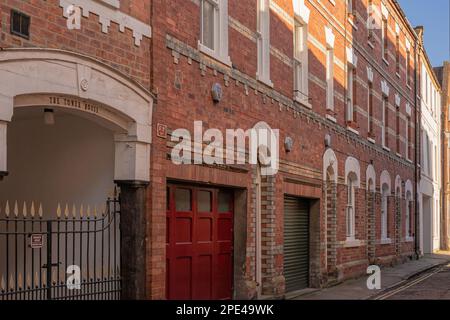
(350, 209)
(384, 211)
(408, 220)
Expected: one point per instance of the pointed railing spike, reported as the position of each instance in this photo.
(40, 211)
(88, 211)
(24, 209)
(66, 211)
(28, 280)
(95, 212)
(20, 280)
(32, 210)
(58, 211)
(7, 208)
(74, 211)
(54, 276)
(104, 210)
(16, 209)
(11, 282)
(81, 211)
(2, 284)
(36, 279)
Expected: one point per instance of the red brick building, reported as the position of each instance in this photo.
(342, 95)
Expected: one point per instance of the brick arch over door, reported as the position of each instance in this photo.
(33, 77)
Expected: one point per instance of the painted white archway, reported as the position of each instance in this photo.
(87, 87)
(352, 166)
(371, 175)
(330, 160)
(385, 179)
(398, 186)
(409, 188)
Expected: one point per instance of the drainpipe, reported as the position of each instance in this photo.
(258, 276)
(417, 153)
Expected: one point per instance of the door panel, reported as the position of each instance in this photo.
(199, 243)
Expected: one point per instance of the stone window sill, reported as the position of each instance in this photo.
(352, 243)
(409, 239)
(371, 140)
(332, 119)
(213, 54)
(352, 130)
(265, 81)
(303, 102)
(385, 241)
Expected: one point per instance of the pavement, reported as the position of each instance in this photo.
(356, 289)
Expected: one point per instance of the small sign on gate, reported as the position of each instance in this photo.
(37, 241)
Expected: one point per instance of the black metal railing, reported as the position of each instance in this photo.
(75, 255)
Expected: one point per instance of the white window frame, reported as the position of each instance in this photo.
(301, 93)
(349, 103)
(220, 32)
(350, 210)
(408, 216)
(384, 102)
(408, 133)
(349, 5)
(384, 26)
(263, 41)
(330, 78)
(384, 214)
(329, 57)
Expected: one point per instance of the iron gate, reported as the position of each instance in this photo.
(75, 255)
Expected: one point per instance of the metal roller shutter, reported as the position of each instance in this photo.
(296, 243)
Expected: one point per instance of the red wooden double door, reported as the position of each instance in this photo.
(199, 243)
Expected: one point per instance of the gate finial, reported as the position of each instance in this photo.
(40, 210)
(11, 282)
(28, 281)
(7, 209)
(16, 209)
(32, 210)
(20, 280)
(66, 211)
(24, 209)
(58, 211)
(2, 284)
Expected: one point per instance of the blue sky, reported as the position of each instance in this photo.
(434, 16)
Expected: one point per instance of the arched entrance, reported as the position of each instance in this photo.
(86, 127)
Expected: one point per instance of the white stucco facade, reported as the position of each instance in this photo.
(430, 182)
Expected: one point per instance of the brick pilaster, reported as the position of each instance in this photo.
(371, 225)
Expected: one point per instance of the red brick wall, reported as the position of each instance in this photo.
(178, 108)
(184, 95)
(49, 30)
